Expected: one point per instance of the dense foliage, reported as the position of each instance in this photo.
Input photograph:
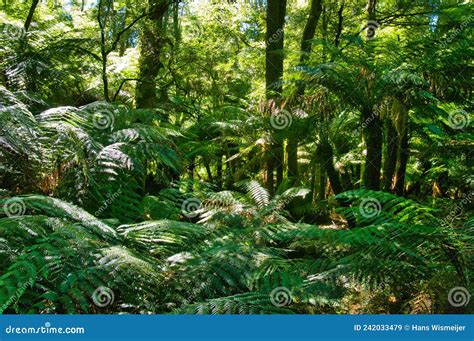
(253, 157)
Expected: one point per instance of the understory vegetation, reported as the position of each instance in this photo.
(236, 157)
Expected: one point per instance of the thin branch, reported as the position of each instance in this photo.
(119, 35)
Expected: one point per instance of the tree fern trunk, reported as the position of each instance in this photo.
(274, 39)
(403, 154)
(326, 153)
(151, 44)
(390, 159)
(373, 159)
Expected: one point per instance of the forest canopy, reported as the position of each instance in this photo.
(236, 157)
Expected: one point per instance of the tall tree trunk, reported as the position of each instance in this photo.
(373, 135)
(274, 37)
(151, 44)
(373, 131)
(103, 49)
(340, 19)
(308, 34)
(390, 159)
(305, 47)
(403, 154)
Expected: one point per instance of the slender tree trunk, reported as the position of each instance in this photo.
(308, 34)
(326, 154)
(31, 12)
(390, 159)
(373, 159)
(371, 5)
(274, 38)
(403, 154)
(373, 132)
(292, 156)
(191, 174)
(322, 183)
(103, 50)
(280, 163)
(269, 169)
(219, 171)
(305, 47)
(340, 19)
(105, 79)
(313, 182)
(208, 170)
